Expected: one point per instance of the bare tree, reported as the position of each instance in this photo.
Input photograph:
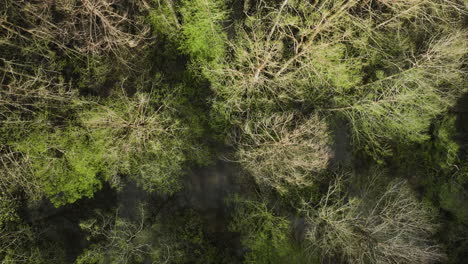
(122, 240)
(34, 33)
(89, 26)
(392, 228)
(24, 94)
(16, 175)
(285, 149)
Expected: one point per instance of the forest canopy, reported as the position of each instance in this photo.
(224, 131)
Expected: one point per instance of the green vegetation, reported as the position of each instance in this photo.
(149, 145)
(222, 131)
(265, 234)
(65, 163)
(204, 39)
